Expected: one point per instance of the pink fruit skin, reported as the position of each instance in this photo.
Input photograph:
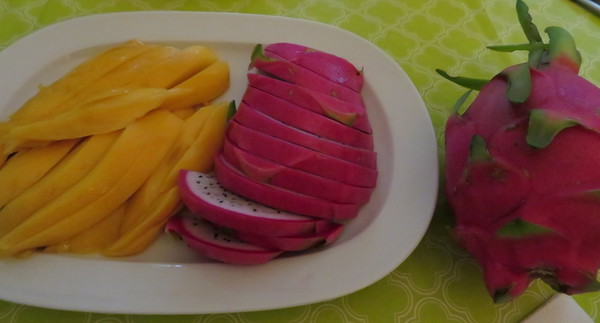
(220, 250)
(293, 243)
(303, 77)
(279, 198)
(306, 120)
(554, 187)
(313, 100)
(299, 157)
(334, 68)
(285, 226)
(253, 119)
(293, 179)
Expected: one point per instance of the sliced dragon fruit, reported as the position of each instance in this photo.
(280, 198)
(299, 75)
(299, 157)
(292, 179)
(334, 68)
(293, 243)
(217, 244)
(349, 114)
(306, 120)
(205, 197)
(251, 118)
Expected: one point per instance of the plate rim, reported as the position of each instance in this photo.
(369, 274)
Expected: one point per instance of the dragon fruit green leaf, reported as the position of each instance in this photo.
(516, 47)
(519, 83)
(519, 228)
(526, 21)
(478, 150)
(460, 102)
(543, 127)
(562, 49)
(469, 83)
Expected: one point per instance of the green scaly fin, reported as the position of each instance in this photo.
(543, 127)
(519, 228)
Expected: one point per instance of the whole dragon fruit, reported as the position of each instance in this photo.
(523, 169)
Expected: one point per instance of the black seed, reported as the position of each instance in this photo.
(254, 210)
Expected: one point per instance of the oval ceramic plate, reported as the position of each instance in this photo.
(169, 278)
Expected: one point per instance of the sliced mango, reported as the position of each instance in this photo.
(95, 239)
(151, 208)
(117, 176)
(109, 111)
(175, 69)
(25, 168)
(200, 89)
(82, 76)
(158, 182)
(67, 173)
(142, 235)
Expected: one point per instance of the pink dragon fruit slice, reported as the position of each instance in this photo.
(306, 120)
(349, 114)
(293, 243)
(527, 207)
(334, 68)
(292, 179)
(279, 198)
(206, 198)
(253, 119)
(295, 156)
(217, 244)
(301, 76)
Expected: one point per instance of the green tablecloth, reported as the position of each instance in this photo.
(438, 282)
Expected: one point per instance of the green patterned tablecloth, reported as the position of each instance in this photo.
(438, 282)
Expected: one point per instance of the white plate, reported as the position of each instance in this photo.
(169, 278)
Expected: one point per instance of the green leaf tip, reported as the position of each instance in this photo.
(529, 28)
(519, 83)
(516, 47)
(478, 151)
(231, 110)
(258, 53)
(469, 83)
(460, 102)
(543, 127)
(562, 48)
(519, 228)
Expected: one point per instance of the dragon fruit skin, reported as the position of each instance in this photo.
(522, 176)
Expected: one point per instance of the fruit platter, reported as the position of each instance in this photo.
(384, 217)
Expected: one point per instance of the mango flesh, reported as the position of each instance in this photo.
(66, 174)
(151, 207)
(124, 168)
(25, 168)
(126, 119)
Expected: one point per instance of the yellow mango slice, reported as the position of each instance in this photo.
(149, 212)
(50, 97)
(117, 176)
(177, 68)
(25, 168)
(95, 239)
(141, 236)
(120, 77)
(158, 182)
(185, 113)
(106, 112)
(200, 89)
(199, 157)
(80, 161)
